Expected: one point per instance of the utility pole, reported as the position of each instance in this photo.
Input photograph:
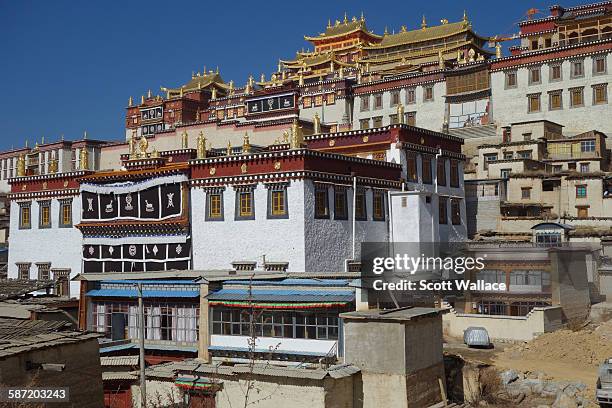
(141, 335)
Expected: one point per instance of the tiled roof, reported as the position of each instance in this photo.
(121, 375)
(293, 282)
(194, 367)
(13, 347)
(145, 293)
(14, 329)
(12, 288)
(419, 35)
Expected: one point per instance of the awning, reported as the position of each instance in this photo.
(145, 293)
(286, 296)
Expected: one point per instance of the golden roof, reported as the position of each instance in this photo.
(314, 60)
(200, 81)
(340, 29)
(423, 34)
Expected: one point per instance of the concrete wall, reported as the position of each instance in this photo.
(400, 361)
(514, 328)
(269, 392)
(570, 283)
(82, 373)
(62, 247)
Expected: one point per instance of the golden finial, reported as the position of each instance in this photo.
(143, 145)
(192, 74)
(229, 148)
(203, 70)
(444, 21)
(42, 140)
(83, 159)
(386, 31)
(400, 113)
(345, 18)
(403, 29)
(132, 145)
(297, 138)
(84, 135)
(201, 146)
(337, 23)
(130, 101)
(465, 17)
(329, 23)
(21, 166)
(316, 124)
(262, 78)
(362, 16)
(354, 19)
(498, 50)
(279, 66)
(184, 140)
(142, 99)
(423, 23)
(217, 70)
(246, 145)
(149, 94)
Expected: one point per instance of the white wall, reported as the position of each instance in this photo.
(62, 247)
(216, 244)
(510, 105)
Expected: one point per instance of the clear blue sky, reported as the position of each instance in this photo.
(71, 66)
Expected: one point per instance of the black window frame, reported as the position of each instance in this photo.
(276, 188)
(378, 194)
(361, 199)
(41, 205)
(317, 191)
(250, 190)
(340, 192)
(22, 206)
(209, 196)
(66, 202)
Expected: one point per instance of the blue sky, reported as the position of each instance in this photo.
(67, 67)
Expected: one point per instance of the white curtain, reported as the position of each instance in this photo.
(156, 319)
(179, 324)
(133, 322)
(191, 325)
(101, 318)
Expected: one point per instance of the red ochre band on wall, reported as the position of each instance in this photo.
(321, 305)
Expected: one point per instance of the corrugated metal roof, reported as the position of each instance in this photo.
(284, 295)
(152, 281)
(145, 293)
(120, 375)
(292, 282)
(119, 361)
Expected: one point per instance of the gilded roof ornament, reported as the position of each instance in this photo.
(444, 21)
(228, 151)
(21, 166)
(403, 29)
(423, 23)
(83, 159)
(130, 101)
(362, 17)
(329, 23)
(345, 18)
(142, 99)
(149, 94)
(246, 144)
(184, 140)
(143, 144)
(201, 146)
